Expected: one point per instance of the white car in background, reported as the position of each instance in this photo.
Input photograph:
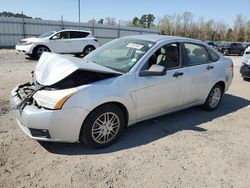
(68, 41)
(125, 81)
(245, 68)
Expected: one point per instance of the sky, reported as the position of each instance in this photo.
(124, 10)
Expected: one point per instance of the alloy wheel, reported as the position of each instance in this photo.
(105, 127)
(40, 51)
(214, 97)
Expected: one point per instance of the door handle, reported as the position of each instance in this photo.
(209, 67)
(177, 74)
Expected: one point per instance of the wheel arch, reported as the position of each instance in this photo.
(222, 84)
(37, 46)
(118, 104)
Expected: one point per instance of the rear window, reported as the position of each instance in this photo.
(78, 34)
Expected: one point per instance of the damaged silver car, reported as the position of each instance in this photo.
(121, 83)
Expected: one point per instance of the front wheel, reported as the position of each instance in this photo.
(39, 51)
(103, 126)
(214, 98)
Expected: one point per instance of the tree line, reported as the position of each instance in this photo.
(15, 15)
(187, 26)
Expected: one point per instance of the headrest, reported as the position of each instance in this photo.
(171, 51)
(198, 52)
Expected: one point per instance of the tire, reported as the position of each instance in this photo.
(96, 132)
(214, 98)
(39, 50)
(87, 50)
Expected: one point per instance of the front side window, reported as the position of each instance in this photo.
(167, 56)
(120, 54)
(63, 35)
(196, 54)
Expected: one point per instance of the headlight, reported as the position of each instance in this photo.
(246, 59)
(25, 43)
(53, 99)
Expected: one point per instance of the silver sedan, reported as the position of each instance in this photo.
(121, 83)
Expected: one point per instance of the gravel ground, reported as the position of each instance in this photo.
(191, 148)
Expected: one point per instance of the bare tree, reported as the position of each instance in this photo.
(221, 30)
(110, 21)
(239, 28)
(166, 25)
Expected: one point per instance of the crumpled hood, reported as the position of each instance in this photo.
(52, 68)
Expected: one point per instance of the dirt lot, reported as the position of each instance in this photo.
(191, 148)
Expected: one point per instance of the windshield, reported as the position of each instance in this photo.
(47, 34)
(120, 54)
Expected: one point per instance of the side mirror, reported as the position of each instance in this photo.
(154, 70)
(54, 37)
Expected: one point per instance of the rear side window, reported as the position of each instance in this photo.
(213, 57)
(78, 34)
(197, 54)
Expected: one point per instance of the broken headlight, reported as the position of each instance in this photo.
(53, 99)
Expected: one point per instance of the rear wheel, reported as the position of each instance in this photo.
(88, 49)
(214, 98)
(103, 126)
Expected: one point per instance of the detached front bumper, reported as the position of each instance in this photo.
(48, 125)
(245, 71)
(26, 49)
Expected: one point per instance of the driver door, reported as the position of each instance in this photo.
(156, 95)
(62, 43)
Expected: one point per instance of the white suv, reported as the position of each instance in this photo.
(65, 41)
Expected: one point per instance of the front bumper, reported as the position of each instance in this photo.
(26, 49)
(245, 71)
(61, 125)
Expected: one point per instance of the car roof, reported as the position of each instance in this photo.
(157, 38)
(73, 30)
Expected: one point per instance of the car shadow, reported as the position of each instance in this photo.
(31, 58)
(151, 130)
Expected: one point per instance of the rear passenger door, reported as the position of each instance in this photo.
(78, 41)
(199, 72)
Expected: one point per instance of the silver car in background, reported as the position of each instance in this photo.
(119, 84)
